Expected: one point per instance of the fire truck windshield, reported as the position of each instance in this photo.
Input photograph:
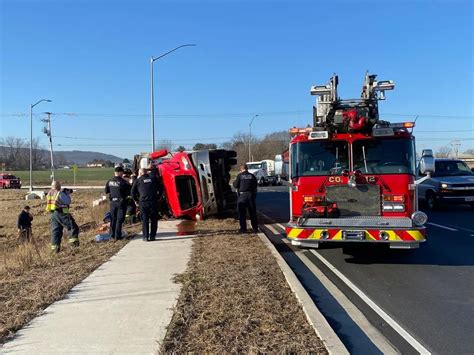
(317, 158)
(384, 156)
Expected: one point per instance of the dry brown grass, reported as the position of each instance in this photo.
(235, 300)
(31, 277)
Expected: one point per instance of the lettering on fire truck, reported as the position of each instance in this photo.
(338, 179)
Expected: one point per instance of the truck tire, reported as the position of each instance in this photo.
(231, 161)
(218, 154)
(431, 201)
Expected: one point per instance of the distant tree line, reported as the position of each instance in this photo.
(260, 148)
(451, 152)
(15, 153)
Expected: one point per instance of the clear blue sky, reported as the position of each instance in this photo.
(252, 57)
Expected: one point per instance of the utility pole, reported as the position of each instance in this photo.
(31, 140)
(47, 131)
(456, 144)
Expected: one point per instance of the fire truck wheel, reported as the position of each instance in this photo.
(431, 201)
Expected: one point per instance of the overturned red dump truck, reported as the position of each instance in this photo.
(196, 183)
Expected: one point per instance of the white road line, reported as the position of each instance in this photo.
(397, 327)
(274, 231)
(281, 226)
(444, 227)
(375, 336)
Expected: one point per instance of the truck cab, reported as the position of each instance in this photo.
(264, 171)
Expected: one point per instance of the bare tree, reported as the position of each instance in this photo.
(38, 154)
(443, 152)
(266, 148)
(164, 144)
(204, 146)
(14, 153)
(271, 145)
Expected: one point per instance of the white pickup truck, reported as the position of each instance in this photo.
(264, 171)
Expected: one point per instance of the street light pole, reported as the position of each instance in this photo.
(152, 108)
(152, 60)
(250, 136)
(31, 140)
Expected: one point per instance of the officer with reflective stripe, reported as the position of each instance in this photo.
(246, 185)
(118, 190)
(147, 189)
(57, 204)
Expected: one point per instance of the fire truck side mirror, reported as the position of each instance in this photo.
(427, 162)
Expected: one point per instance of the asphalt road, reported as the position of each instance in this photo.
(429, 291)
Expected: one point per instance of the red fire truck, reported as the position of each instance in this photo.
(352, 175)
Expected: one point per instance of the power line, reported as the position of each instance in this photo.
(223, 115)
(227, 137)
(171, 139)
(241, 142)
(141, 140)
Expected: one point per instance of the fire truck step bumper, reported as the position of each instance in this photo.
(398, 238)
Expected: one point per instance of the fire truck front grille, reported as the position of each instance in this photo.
(362, 200)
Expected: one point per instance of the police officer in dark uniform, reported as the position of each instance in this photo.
(118, 190)
(147, 189)
(246, 185)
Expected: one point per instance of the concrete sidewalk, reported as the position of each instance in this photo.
(122, 307)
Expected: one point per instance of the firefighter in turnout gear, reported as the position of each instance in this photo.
(246, 185)
(118, 190)
(57, 204)
(147, 189)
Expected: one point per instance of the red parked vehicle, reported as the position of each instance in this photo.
(352, 175)
(9, 181)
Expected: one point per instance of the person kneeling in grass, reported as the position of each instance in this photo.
(24, 224)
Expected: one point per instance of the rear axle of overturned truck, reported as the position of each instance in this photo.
(196, 183)
(352, 175)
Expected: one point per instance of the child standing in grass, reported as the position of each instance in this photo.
(24, 224)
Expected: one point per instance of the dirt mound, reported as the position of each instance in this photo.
(235, 299)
